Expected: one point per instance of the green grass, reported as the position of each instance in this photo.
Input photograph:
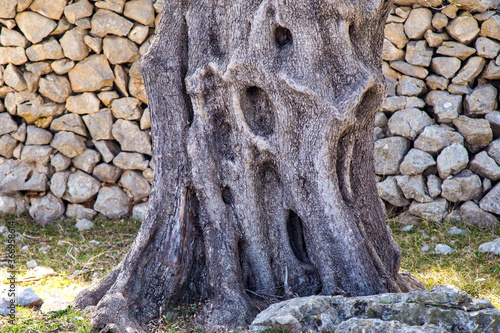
(77, 262)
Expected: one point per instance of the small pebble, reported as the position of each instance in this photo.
(443, 249)
(25, 248)
(454, 231)
(31, 264)
(425, 248)
(43, 250)
(408, 228)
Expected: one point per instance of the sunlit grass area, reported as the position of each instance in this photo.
(78, 258)
(475, 272)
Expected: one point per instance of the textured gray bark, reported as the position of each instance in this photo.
(262, 120)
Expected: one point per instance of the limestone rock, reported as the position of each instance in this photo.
(121, 80)
(418, 22)
(68, 143)
(491, 27)
(394, 33)
(443, 249)
(391, 53)
(446, 107)
(493, 150)
(58, 183)
(439, 21)
(55, 87)
(87, 160)
(453, 159)
(81, 187)
(491, 201)
(91, 74)
(130, 137)
(20, 134)
(12, 38)
(389, 153)
(408, 123)
(112, 202)
(436, 82)
(84, 224)
(470, 71)
(36, 154)
(8, 8)
(114, 5)
(69, 122)
(12, 205)
(389, 191)
(434, 138)
(462, 188)
(27, 297)
(136, 83)
(46, 209)
(108, 149)
(464, 29)
(76, 211)
(141, 11)
(73, 44)
(487, 48)
(148, 174)
(418, 53)
(485, 166)
(135, 185)
(120, 50)
(54, 304)
(12, 55)
(130, 161)
(477, 132)
(411, 70)
(482, 100)
(99, 124)
(107, 173)
(491, 247)
(52, 9)
(416, 162)
(139, 211)
(16, 176)
(433, 211)
(492, 71)
(128, 108)
(78, 10)
(413, 187)
(435, 39)
(454, 49)
(34, 26)
(138, 34)
(146, 120)
(86, 103)
(434, 186)
(7, 124)
(395, 103)
(14, 78)
(95, 43)
(7, 145)
(37, 136)
(472, 214)
(60, 162)
(62, 66)
(446, 66)
(49, 49)
(107, 97)
(480, 5)
(411, 86)
(105, 22)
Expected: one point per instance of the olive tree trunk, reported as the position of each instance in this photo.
(262, 118)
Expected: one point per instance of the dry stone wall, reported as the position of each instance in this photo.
(74, 122)
(437, 146)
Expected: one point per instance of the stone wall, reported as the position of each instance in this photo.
(436, 142)
(74, 122)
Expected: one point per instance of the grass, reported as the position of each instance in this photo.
(78, 258)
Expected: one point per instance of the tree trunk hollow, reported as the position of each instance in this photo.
(262, 119)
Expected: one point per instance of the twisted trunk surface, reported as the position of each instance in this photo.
(262, 117)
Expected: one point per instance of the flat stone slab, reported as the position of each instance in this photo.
(441, 309)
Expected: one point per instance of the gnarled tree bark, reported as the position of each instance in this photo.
(262, 118)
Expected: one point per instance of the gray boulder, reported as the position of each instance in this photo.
(462, 188)
(46, 209)
(27, 297)
(434, 138)
(408, 123)
(37, 136)
(491, 201)
(130, 137)
(58, 183)
(416, 162)
(84, 224)
(434, 185)
(452, 160)
(433, 211)
(112, 202)
(131, 161)
(472, 214)
(446, 107)
(389, 191)
(76, 211)
(477, 132)
(491, 247)
(389, 153)
(135, 185)
(87, 160)
(81, 187)
(485, 166)
(413, 187)
(107, 173)
(139, 211)
(481, 101)
(54, 304)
